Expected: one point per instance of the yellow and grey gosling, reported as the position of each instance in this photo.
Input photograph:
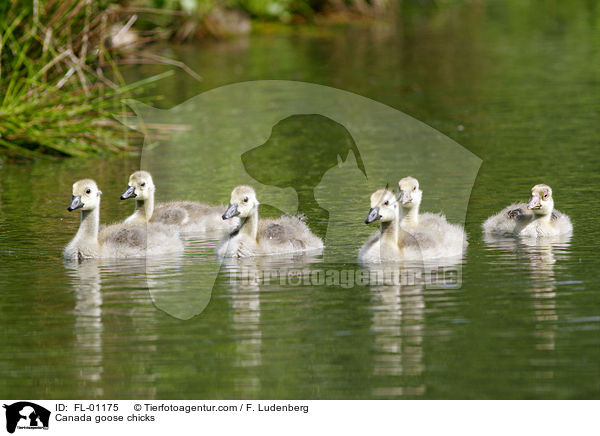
(259, 237)
(113, 241)
(413, 237)
(536, 219)
(187, 216)
(448, 240)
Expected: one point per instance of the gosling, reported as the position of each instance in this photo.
(394, 243)
(185, 215)
(256, 237)
(449, 239)
(114, 241)
(536, 219)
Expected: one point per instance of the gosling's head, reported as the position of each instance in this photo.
(384, 206)
(86, 195)
(410, 195)
(140, 186)
(541, 202)
(243, 202)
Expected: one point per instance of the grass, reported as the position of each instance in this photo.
(60, 85)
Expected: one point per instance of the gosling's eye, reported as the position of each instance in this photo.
(545, 196)
(386, 203)
(414, 188)
(245, 199)
(143, 184)
(88, 191)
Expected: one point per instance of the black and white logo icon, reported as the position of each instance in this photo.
(26, 415)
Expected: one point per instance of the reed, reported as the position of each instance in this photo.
(60, 85)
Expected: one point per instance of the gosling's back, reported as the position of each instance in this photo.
(514, 219)
(286, 234)
(122, 240)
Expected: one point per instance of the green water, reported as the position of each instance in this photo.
(517, 85)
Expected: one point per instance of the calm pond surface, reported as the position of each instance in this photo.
(517, 88)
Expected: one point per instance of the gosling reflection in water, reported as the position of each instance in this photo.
(246, 276)
(247, 334)
(286, 269)
(398, 321)
(92, 327)
(88, 328)
(541, 255)
(398, 327)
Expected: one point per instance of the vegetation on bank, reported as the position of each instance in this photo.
(60, 85)
(283, 10)
(193, 19)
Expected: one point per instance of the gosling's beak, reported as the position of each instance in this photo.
(534, 202)
(75, 203)
(231, 211)
(373, 215)
(406, 199)
(129, 193)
